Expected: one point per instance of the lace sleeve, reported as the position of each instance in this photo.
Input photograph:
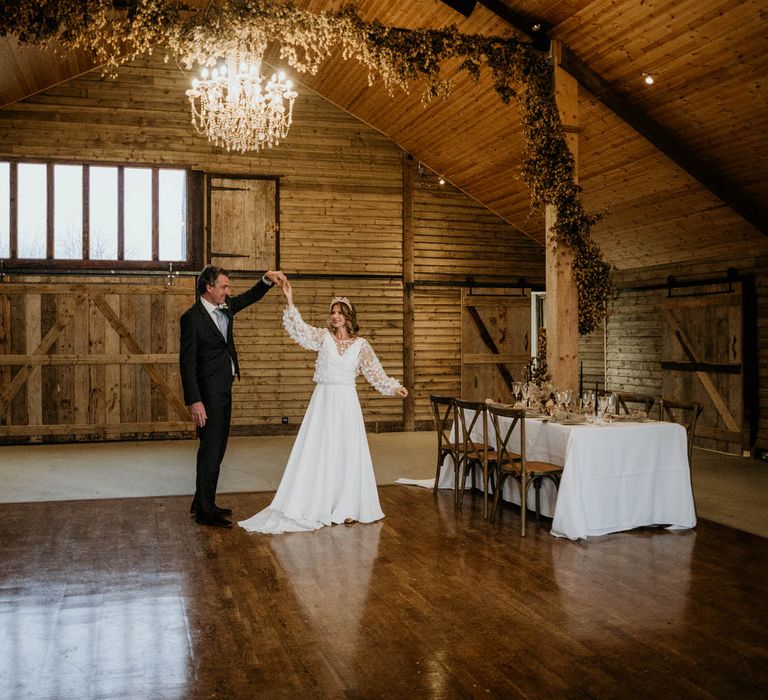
(305, 335)
(373, 371)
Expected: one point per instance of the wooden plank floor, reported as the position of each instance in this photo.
(130, 599)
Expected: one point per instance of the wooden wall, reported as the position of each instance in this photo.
(341, 216)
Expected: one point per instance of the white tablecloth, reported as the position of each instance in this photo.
(615, 477)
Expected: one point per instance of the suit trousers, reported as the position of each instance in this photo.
(213, 444)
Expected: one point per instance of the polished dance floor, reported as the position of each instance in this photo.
(128, 598)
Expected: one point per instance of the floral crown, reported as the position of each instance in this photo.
(340, 300)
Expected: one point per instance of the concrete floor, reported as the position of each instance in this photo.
(728, 490)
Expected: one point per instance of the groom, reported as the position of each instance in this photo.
(208, 362)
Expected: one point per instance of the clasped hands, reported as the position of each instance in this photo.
(276, 277)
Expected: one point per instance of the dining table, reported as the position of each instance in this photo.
(617, 475)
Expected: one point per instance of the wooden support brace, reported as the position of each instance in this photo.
(135, 348)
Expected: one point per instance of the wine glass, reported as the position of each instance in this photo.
(526, 391)
(568, 395)
(602, 404)
(516, 389)
(611, 401)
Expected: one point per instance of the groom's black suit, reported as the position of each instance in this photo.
(206, 361)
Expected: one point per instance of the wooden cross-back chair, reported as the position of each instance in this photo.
(472, 420)
(444, 410)
(625, 402)
(686, 414)
(511, 461)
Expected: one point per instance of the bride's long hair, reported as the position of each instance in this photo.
(349, 314)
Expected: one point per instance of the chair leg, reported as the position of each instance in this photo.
(523, 503)
(440, 462)
(457, 468)
(537, 487)
(497, 497)
(465, 466)
(485, 491)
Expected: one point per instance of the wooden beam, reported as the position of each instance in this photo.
(562, 302)
(528, 25)
(99, 429)
(409, 306)
(665, 140)
(86, 359)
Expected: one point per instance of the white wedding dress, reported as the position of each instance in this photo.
(329, 476)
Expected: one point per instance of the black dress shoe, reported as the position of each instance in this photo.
(216, 510)
(213, 520)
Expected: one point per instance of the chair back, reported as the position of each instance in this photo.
(507, 452)
(444, 410)
(686, 414)
(472, 417)
(625, 402)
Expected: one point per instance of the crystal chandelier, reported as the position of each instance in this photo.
(230, 107)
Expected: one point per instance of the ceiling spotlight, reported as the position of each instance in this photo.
(648, 78)
(535, 27)
(442, 180)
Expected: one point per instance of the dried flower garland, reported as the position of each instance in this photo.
(117, 31)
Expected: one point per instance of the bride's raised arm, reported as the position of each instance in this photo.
(305, 335)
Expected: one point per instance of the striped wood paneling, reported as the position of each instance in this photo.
(340, 213)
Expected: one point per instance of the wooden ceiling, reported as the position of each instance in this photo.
(709, 105)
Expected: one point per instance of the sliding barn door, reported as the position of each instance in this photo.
(495, 344)
(702, 361)
(243, 223)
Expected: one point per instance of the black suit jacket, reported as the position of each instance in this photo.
(205, 358)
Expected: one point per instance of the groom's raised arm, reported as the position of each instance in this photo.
(268, 280)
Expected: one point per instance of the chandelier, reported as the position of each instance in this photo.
(230, 107)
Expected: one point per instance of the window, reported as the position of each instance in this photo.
(103, 214)
(116, 216)
(5, 210)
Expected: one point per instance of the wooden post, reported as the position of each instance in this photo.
(409, 347)
(562, 305)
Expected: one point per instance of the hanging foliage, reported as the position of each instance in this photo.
(117, 31)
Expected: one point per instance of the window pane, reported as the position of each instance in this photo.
(102, 209)
(68, 211)
(5, 210)
(138, 214)
(32, 210)
(173, 215)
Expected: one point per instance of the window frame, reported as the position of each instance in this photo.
(194, 222)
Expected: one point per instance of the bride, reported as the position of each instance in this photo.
(329, 476)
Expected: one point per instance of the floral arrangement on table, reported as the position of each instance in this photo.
(117, 31)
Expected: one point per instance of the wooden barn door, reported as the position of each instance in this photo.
(495, 344)
(243, 223)
(702, 361)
